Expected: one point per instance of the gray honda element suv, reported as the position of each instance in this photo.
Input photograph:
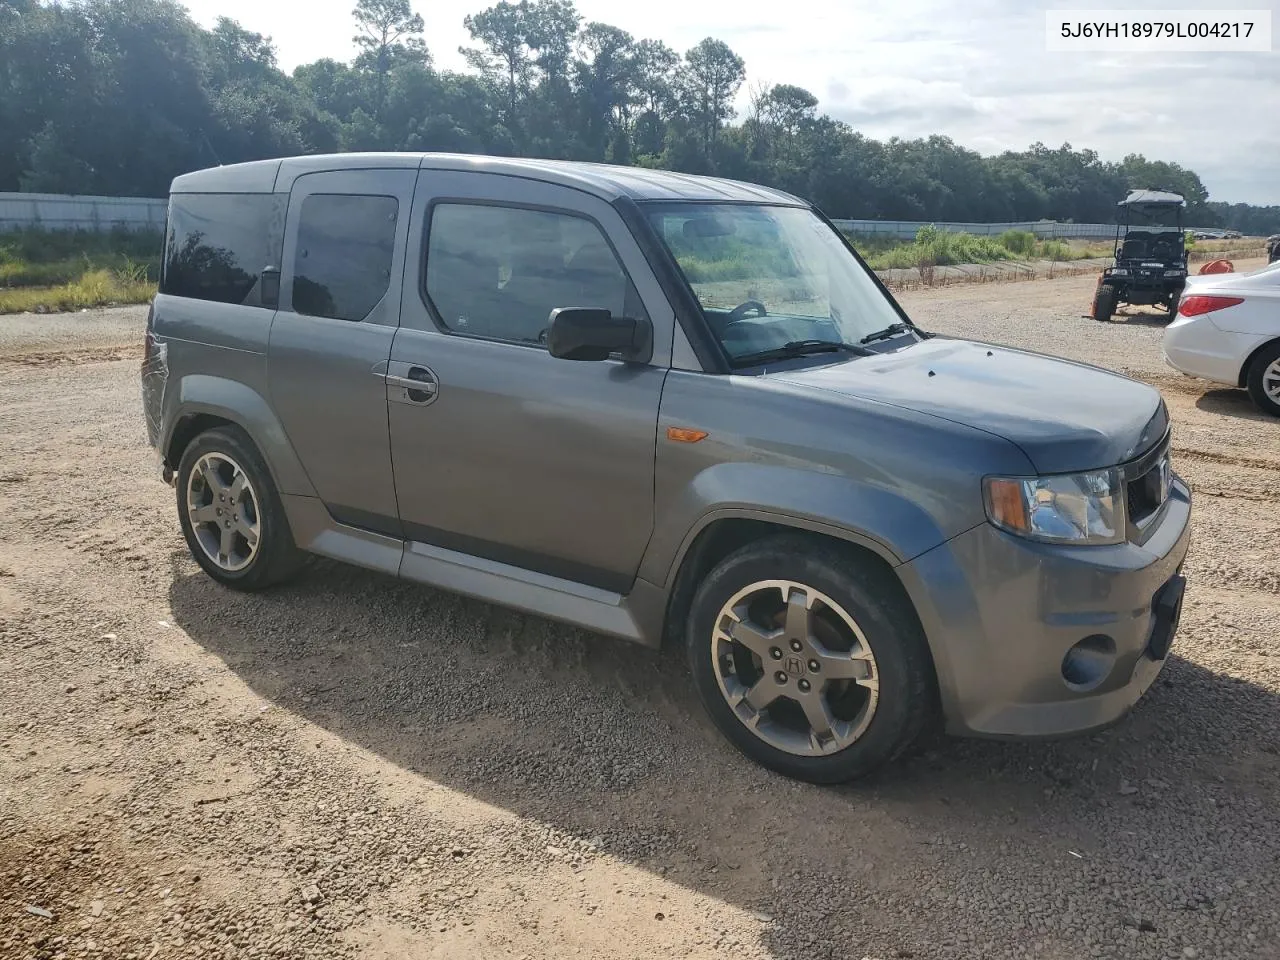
(670, 409)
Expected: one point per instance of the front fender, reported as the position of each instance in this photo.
(244, 406)
(879, 519)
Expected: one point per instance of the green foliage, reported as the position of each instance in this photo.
(43, 258)
(938, 248)
(94, 288)
(1053, 250)
(730, 258)
(1020, 242)
(117, 97)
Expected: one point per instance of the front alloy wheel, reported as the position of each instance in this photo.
(809, 657)
(795, 667)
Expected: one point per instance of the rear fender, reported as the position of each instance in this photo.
(201, 394)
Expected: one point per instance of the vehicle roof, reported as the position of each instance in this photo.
(603, 180)
(1152, 198)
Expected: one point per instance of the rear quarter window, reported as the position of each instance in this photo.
(342, 266)
(217, 244)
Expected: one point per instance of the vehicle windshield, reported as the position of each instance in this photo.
(771, 276)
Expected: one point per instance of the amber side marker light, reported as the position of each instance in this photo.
(1006, 506)
(685, 434)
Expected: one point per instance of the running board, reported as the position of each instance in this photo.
(538, 593)
(590, 608)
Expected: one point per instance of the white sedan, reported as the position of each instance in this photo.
(1228, 331)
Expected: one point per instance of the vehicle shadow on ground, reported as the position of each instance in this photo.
(606, 740)
(1136, 317)
(1235, 403)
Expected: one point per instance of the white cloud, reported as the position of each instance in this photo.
(975, 71)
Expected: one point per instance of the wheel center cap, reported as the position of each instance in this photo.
(794, 665)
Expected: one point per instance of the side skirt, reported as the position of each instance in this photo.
(590, 608)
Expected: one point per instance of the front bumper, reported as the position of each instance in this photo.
(1002, 613)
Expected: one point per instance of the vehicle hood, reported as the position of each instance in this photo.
(1065, 416)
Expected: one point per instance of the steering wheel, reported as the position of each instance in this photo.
(740, 311)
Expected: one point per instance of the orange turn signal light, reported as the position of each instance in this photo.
(1005, 504)
(685, 434)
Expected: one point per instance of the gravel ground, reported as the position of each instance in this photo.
(355, 767)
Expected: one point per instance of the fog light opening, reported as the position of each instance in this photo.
(1089, 662)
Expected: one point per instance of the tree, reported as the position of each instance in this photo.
(779, 113)
(119, 96)
(503, 30)
(712, 75)
(606, 85)
(655, 87)
(388, 31)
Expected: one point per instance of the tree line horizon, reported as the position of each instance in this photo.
(117, 97)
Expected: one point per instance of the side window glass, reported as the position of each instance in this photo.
(498, 272)
(218, 243)
(342, 263)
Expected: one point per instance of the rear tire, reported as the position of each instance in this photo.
(1104, 303)
(231, 514)
(832, 676)
(1263, 379)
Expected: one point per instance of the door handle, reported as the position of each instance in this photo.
(417, 385)
(413, 384)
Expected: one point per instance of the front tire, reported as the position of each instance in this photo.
(231, 514)
(810, 659)
(1263, 379)
(1104, 303)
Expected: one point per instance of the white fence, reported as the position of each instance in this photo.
(61, 212)
(1043, 229)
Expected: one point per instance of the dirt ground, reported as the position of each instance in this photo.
(355, 767)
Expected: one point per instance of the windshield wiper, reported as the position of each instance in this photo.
(802, 348)
(892, 330)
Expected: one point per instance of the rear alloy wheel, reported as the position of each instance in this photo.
(223, 509)
(231, 514)
(1263, 380)
(1104, 303)
(809, 659)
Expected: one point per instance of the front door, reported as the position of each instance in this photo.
(331, 339)
(505, 452)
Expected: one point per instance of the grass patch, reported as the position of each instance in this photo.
(23, 273)
(96, 288)
(37, 245)
(937, 248)
(47, 271)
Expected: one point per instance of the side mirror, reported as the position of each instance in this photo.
(591, 333)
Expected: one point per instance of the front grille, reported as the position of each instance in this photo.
(1146, 492)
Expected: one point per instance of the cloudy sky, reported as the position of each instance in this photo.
(976, 71)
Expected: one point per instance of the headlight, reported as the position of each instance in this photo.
(1120, 272)
(1068, 508)
(1175, 273)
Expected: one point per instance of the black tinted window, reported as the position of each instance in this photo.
(217, 244)
(342, 266)
(500, 271)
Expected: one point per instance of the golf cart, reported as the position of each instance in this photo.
(1151, 256)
